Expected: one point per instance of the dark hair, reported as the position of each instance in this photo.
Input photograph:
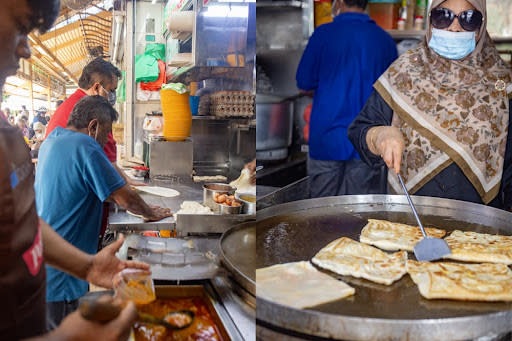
(44, 13)
(58, 103)
(90, 108)
(98, 70)
(356, 3)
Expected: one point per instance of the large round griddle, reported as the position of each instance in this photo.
(238, 251)
(297, 231)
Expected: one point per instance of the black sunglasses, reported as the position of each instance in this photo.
(469, 20)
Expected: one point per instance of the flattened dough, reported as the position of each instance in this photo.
(456, 281)
(345, 256)
(299, 285)
(479, 247)
(160, 191)
(394, 236)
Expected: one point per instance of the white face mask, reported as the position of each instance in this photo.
(452, 45)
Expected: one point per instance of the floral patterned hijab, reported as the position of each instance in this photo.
(450, 111)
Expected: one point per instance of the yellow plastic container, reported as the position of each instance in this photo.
(177, 115)
(323, 12)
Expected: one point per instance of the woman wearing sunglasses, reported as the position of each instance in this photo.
(440, 114)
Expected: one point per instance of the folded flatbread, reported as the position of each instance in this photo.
(480, 247)
(160, 191)
(456, 281)
(345, 256)
(299, 285)
(394, 236)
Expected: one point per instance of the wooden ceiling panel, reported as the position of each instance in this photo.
(68, 48)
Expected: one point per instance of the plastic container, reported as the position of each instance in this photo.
(177, 115)
(194, 104)
(385, 13)
(135, 285)
(323, 12)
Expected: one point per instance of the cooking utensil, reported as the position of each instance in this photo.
(249, 202)
(104, 311)
(429, 248)
(209, 191)
(226, 209)
(297, 230)
(238, 253)
(174, 320)
(274, 115)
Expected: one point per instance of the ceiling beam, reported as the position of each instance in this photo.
(65, 29)
(50, 68)
(68, 43)
(76, 60)
(96, 22)
(52, 56)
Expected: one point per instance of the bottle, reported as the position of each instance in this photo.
(402, 18)
(420, 15)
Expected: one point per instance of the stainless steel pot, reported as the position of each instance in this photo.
(249, 201)
(274, 119)
(209, 191)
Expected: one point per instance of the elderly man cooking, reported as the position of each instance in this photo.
(74, 177)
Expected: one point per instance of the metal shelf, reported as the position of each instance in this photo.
(292, 3)
(406, 34)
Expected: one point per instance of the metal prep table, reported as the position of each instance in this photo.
(206, 231)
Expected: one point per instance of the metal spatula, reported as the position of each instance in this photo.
(428, 248)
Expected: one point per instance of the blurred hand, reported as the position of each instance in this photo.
(251, 166)
(159, 213)
(75, 327)
(388, 142)
(105, 265)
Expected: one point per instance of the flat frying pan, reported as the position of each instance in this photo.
(297, 231)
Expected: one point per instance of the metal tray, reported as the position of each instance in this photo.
(191, 258)
(298, 230)
(238, 254)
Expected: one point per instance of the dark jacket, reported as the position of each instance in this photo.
(450, 183)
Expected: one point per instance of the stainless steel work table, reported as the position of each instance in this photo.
(239, 305)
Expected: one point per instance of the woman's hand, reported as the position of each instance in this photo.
(388, 142)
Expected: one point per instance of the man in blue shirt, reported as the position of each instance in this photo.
(339, 66)
(73, 179)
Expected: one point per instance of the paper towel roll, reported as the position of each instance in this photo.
(182, 21)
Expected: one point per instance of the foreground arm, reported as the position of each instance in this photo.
(98, 269)
(75, 327)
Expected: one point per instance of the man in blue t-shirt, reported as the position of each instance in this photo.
(73, 179)
(338, 68)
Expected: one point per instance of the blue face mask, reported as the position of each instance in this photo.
(452, 45)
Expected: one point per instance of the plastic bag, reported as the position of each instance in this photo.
(135, 285)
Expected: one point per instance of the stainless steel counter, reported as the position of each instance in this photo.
(239, 308)
(241, 313)
(120, 220)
